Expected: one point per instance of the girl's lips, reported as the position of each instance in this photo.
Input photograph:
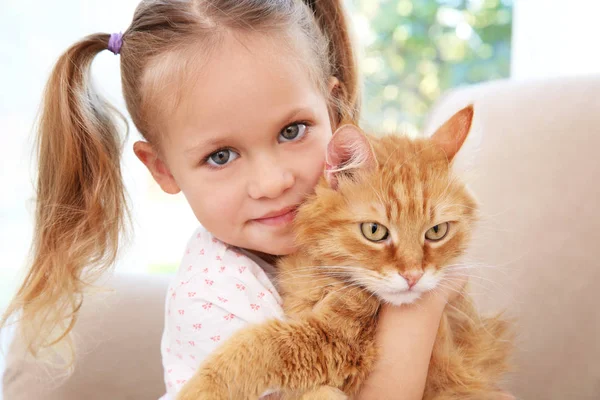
(282, 217)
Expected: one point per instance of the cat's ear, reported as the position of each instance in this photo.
(348, 150)
(452, 135)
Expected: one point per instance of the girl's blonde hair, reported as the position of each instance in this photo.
(81, 204)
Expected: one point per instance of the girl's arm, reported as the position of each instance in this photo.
(406, 335)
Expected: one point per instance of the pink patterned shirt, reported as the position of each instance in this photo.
(218, 289)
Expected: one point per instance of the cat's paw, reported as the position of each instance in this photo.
(204, 386)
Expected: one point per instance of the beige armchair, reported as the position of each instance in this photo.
(537, 251)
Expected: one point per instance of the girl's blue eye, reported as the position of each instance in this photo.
(292, 132)
(221, 157)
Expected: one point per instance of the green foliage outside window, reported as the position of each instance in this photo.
(417, 49)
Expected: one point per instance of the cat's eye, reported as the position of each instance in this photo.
(438, 232)
(221, 157)
(373, 231)
(292, 132)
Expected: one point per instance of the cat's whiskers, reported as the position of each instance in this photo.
(474, 281)
(461, 266)
(479, 321)
(482, 265)
(352, 285)
(321, 282)
(467, 262)
(466, 316)
(305, 272)
(312, 279)
(465, 273)
(316, 269)
(350, 272)
(327, 271)
(474, 270)
(371, 295)
(437, 290)
(306, 275)
(344, 282)
(473, 265)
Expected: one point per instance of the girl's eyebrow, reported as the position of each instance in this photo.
(215, 141)
(207, 143)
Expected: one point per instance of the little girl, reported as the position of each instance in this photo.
(236, 101)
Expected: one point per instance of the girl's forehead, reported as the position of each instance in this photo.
(243, 84)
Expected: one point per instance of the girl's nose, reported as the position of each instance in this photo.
(270, 181)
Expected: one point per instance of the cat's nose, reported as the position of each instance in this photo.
(412, 277)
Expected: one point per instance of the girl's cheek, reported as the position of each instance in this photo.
(217, 209)
(317, 162)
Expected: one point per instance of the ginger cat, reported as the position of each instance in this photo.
(384, 222)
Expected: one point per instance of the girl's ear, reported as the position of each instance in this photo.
(348, 151)
(159, 170)
(452, 135)
(334, 84)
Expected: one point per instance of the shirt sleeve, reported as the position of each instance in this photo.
(217, 291)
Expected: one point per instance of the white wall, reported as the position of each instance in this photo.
(555, 38)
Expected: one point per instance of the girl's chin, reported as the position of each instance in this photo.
(278, 250)
(266, 241)
(277, 246)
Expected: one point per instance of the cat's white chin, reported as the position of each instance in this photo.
(400, 297)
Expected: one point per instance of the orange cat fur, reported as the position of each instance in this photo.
(346, 266)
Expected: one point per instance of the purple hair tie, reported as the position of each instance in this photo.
(115, 42)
